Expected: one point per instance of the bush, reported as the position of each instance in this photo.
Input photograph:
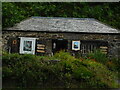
(82, 73)
(68, 72)
(98, 56)
(64, 56)
(23, 68)
(114, 64)
(7, 72)
(10, 59)
(102, 75)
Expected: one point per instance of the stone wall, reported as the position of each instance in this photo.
(113, 40)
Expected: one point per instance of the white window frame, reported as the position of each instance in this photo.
(22, 39)
(74, 44)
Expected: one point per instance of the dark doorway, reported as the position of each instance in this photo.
(59, 44)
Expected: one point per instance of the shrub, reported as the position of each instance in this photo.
(72, 68)
(98, 56)
(7, 72)
(10, 59)
(101, 74)
(20, 67)
(64, 56)
(114, 64)
(82, 73)
(68, 72)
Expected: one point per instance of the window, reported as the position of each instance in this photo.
(75, 45)
(27, 45)
(88, 46)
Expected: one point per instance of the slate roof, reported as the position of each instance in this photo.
(57, 24)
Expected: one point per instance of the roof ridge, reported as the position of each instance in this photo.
(63, 18)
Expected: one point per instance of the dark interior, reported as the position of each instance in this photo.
(59, 44)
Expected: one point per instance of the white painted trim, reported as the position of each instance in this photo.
(73, 45)
(22, 39)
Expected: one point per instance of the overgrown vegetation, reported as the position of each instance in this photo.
(61, 71)
(112, 63)
(99, 56)
(14, 12)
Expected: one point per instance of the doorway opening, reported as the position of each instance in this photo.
(59, 44)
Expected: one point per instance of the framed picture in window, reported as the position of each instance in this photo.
(27, 45)
(75, 45)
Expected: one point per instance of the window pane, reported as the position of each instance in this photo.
(76, 45)
(27, 46)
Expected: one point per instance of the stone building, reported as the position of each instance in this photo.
(47, 35)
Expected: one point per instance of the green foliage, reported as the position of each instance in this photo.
(15, 12)
(98, 56)
(114, 65)
(12, 14)
(10, 59)
(64, 56)
(23, 68)
(101, 73)
(82, 72)
(69, 72)
(7, 72)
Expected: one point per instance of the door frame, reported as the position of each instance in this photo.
(54, 46)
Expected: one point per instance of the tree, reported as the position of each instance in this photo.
(16, 11)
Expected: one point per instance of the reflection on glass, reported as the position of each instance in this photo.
(27, 46)
(76, 44)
